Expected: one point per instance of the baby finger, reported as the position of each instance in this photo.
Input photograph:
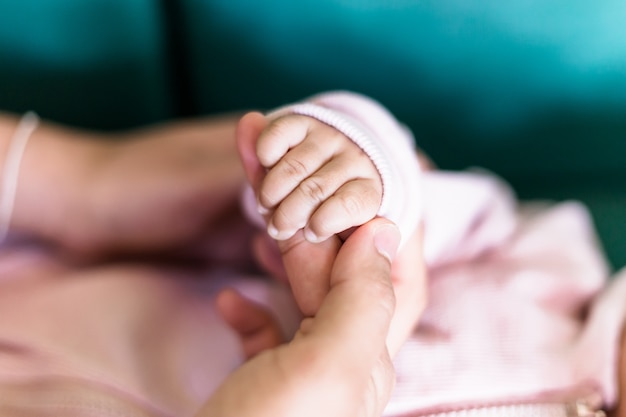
(354, 203)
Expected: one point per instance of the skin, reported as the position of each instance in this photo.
(315, 179)
(165, 190)
(338, 364)
(282, 159)
(109, 203)
(96, 180)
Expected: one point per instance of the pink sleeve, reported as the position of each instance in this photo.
(389, 145)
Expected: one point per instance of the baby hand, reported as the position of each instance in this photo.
(316, 179)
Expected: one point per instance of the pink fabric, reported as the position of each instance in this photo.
(510, 289)
(504, 323)
(118, 340)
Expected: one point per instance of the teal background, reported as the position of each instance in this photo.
(532, 90)
(95, 63)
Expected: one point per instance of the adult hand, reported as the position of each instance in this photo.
(338, 363)
(147, 191)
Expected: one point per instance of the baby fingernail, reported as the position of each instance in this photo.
(262, 210)
(387, 240)
(311, 236)
(279, 234)
(272, 231)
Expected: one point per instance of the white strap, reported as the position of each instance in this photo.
(10, 174)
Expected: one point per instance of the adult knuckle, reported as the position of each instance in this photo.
(379, 290)
(382, 291)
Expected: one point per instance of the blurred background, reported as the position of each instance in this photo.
(532, 90)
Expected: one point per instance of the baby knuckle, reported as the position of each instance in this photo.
(342, 140)
(286, 126)
(313, 189)
(294, 168)
(274, 141)
(279, 127)
(372, 191)
(352, 204)
(370, 199)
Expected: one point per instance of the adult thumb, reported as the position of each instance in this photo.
(361, 301)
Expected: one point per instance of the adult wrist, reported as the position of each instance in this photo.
(53, 189)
